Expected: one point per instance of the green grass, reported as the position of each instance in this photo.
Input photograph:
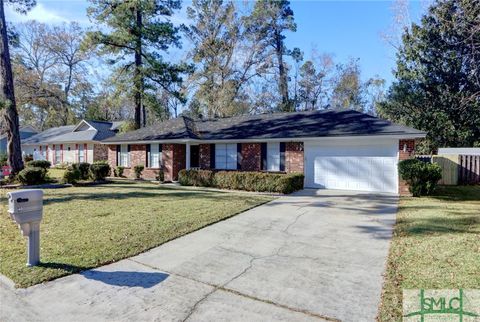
(436, 244)
(85, 227)
(56, 174)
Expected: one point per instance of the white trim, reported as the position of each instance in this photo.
(302, 139)
(62, 142)
(81, 122)
(187, 156)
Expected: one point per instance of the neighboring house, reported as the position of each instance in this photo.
(25, 132)
(334, 149)
(71, 143)
(468, 151)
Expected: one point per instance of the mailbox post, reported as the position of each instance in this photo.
(26, 209)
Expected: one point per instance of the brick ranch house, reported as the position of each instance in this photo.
(71, 143)
(334, 149)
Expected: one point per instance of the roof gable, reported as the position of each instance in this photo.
(84, 131)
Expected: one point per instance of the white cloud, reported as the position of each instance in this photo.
(39, 13)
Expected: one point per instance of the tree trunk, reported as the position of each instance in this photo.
(138, 75)
(282, 79)
(7, 99)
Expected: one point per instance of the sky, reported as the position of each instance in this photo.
(345, 29)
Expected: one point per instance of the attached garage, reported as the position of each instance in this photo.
(352, 164)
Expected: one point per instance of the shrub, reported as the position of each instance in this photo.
(32, 176)
(138, 169)
(249, 181)
(421, 177)
(44, 164)
(159, 176)
(201, 178)
(99, 170)
(83, 168)
(71, 175)
(118, 172)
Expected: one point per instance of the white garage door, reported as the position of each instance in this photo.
(360, 166)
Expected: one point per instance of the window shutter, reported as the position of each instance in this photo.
(263, 159)
(160, 155)
(118, 155)
(239, 156)
(147, 160)
(128, 155)
(282, 156)
(212, 156)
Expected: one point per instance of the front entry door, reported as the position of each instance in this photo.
(194, 156)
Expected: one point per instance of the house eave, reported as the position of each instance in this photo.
(287, 139)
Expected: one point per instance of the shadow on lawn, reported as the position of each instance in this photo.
(461, 223)
(65, 267)
(118, 195)
(126, 278)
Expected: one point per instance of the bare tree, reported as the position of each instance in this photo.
(51, 73)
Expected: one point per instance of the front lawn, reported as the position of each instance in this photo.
(85, 227)
(436, 245)
(56, 174)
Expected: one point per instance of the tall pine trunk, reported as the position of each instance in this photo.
(283, 78)
(7, 99)
(138, 75)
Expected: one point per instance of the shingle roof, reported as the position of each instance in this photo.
(324, 123)
(23, 129)
(179, 128)
(102, 130)
(48, 135)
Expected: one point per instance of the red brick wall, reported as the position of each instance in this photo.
(406, 150)
(179, 162)
(138, 156)
(205, 156)
(100, 152)
(294, 157)
(251, 156)
(173, 156)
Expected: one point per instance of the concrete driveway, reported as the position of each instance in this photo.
(315, 255)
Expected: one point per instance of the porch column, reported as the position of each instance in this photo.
(187, 156)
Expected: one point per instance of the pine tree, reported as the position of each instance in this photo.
(137, 32)
(438, 75)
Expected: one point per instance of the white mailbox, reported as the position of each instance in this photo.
(26, 209)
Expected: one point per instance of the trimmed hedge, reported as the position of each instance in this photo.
(31, 176)
(118, 171)
(99, 170)
(421, 177)
(71, 175)
(239, 180)
(138, 169)
(83, 168)
(44, 164)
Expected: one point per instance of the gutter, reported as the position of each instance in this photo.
(255, 140)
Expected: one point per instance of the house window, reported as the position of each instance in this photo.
(155, 156)
(58, 154)
(81, 153)
(226, 156)
(124, 159)
(273, 156)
